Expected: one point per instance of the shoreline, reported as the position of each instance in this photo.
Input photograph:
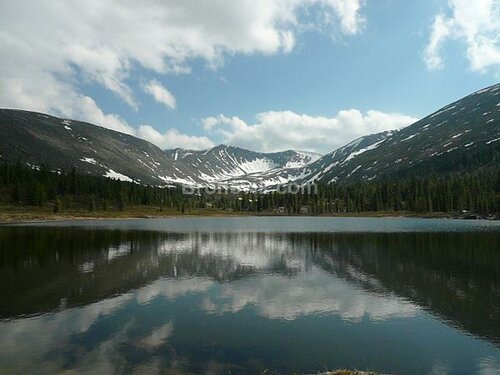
(22, 216)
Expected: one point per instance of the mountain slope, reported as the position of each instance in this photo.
(37, 139)
(315, 170)
(461, 136)
(237, 166)
(464, 135)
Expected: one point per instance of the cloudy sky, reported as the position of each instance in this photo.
(262, 74)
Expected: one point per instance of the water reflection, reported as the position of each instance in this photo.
(314, 292)
(109, 301)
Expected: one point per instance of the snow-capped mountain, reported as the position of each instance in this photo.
(313, 171)
(238, 167)
(464, 135)
(37, 139)
(319, 170)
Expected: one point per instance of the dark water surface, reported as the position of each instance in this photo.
(241, 295)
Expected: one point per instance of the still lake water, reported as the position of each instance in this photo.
(241, 295)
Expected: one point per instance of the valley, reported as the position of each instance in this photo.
(461, 137)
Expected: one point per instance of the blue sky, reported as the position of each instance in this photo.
(249, 92)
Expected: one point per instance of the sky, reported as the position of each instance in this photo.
(266, 75)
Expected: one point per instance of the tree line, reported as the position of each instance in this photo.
(477, 192)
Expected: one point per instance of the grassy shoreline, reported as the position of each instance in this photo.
(15, 214)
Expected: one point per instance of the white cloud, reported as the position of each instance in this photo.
(350, 20)
(160, 93)
(53, 331)
(475, 23)
(158, 336)
(172, 288)
(440, 32)
(59, 98)
(41, 91)
(314, 292)
(276, 131)
(49, 48)
(172, 138)
(488, 366)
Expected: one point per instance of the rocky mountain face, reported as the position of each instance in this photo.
(269, 180)
(37, 139)
(237, 166)
(464, 135)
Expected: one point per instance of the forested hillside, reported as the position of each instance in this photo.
(459, 194)
(461, 137)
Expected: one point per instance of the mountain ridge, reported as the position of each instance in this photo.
(37, 139)
(460, 136)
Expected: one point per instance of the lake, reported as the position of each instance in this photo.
(242, 295)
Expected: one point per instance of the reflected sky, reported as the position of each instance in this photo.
(135, 301)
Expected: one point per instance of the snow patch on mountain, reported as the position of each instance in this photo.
(257, 165)
(493, 141)
(445, 109)
(89, 160)
(411, 136)
(117, 176)
(363, 150)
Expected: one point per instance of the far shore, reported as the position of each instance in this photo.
(20, 215)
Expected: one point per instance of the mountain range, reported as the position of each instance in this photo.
(464, 135)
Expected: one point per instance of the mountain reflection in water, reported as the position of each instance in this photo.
(150, 301)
